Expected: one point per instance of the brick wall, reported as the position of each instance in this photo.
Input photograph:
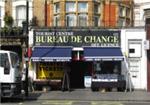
(39, 11)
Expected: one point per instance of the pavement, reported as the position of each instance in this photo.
(88, 95)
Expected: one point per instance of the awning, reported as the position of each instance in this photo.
(51, 54)
(102, 53)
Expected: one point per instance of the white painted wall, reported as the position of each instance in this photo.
(140, 6)
(138, 34)
(2, 5)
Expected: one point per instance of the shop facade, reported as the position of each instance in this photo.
(133, 48)
(99, 54)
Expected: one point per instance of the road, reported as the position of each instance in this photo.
(73, 102)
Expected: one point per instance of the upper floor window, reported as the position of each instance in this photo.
(96, 8)
(56, 21)
(128, 12)
(121, 11)
(71, 20)
(0, 11)
(82, 7)
(0, 16)
(70, 7)
(121, 22)
(82, 20)
(20, 15)
(56, 8)
(96, 21)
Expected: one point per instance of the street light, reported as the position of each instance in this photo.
(27, 61)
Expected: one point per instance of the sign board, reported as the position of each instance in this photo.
(10, 41)
(77, 38)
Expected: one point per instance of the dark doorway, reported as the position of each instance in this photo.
(78, 70)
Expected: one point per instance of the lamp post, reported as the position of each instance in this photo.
(27, 60)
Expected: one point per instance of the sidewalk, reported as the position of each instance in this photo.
(87, 95)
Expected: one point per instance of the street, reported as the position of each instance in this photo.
(75, 102)
(81, 97)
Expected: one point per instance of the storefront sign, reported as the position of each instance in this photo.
(10, 41)
(77, 38)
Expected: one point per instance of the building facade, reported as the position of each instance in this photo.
(142, 18)
(89, 13)
(76, 32)
(12, 15)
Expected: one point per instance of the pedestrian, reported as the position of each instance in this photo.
(66, 78)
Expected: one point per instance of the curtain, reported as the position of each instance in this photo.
(20, 15)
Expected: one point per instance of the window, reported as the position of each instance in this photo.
(122, 11)
(71, 20)
(0, 11)
(56, 8)
(70, 7)
(14, 60)
(20, 15)
(82, 20)
(96, 21)
(56, 21)
(0, 16)
(82, 7)
(4, 62)
(128, 12)
(121, 22)
(96, 8)
(3, 59)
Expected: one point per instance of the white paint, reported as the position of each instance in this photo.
(137, 49)
(140, 6)
(2, 8)
(31, 38)
(137, 35)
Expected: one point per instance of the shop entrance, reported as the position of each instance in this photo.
(78, 70)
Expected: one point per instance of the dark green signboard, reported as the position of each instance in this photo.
(77, 38)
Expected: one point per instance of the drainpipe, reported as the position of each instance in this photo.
(46, 13)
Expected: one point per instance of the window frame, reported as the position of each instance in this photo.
(68, 4)
(56, 10)
(85, 16)
(74, 21)
(80, 9)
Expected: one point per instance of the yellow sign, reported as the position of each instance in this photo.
(49, 74)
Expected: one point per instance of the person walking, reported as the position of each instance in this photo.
(66, 78)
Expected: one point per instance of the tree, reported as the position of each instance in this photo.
(8, 20)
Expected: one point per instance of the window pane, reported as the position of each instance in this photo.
(82, 7)
(0, 16)
(0, 11)
(14, 59)
(122, 11)
(56, 20)
(121, 22)
(3, 59)
(70, 7)
(96, 8)
(56, 8)
(82, 20)
(96, 21)
(128, 12)
(71, 20)
(20, 14)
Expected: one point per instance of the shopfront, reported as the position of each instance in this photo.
(89, 52)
